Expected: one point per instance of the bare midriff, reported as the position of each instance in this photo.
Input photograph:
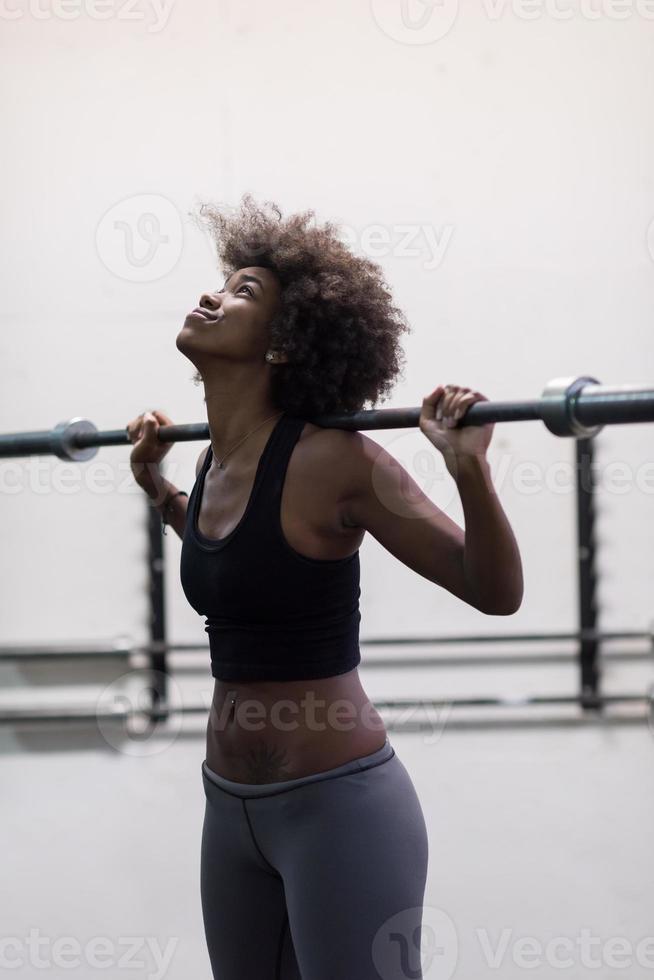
(268, 732)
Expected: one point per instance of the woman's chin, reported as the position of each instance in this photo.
(184, 341)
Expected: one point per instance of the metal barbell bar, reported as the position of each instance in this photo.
(577, 407)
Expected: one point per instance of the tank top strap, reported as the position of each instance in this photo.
(271, 476)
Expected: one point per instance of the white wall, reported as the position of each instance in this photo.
(518, 146)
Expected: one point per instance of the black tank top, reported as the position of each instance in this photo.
(271, 613)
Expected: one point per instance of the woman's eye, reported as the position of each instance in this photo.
(243, 286)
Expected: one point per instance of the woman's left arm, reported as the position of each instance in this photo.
(491, 559)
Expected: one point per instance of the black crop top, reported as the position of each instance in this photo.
(271, 613)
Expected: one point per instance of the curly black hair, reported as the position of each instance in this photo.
(337, 321)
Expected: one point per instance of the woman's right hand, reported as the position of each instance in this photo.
(148, 451)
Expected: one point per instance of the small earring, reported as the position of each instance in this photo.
(270, 356)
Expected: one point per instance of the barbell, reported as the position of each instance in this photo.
(577, 407)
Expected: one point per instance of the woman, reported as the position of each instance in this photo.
(314, 846)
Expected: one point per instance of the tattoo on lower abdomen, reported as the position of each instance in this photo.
(266, 764)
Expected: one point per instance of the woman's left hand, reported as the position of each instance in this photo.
(440, 414)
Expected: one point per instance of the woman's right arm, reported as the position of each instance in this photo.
(174, 511)
(169, 503)
(144, 461)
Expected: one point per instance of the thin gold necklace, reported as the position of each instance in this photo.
(219, 463)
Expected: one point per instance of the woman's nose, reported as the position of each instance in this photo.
(210, 300)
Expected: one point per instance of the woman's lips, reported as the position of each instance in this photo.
(205, 314)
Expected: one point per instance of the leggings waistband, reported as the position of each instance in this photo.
(249, 790)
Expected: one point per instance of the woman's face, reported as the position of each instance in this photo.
(233, 322)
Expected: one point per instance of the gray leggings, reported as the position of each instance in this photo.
(317, 878)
